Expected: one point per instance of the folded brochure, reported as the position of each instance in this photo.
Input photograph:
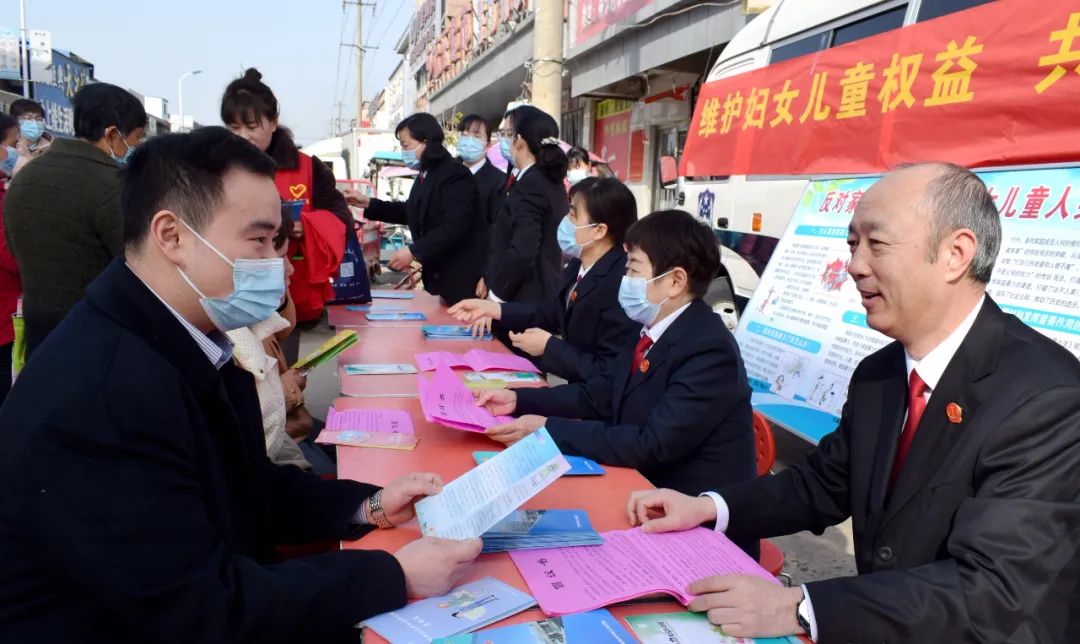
(476, 501)
(593, 627)
(450, 332)
(327, 350)
(462, 610)
(579, 465)
(378, 369)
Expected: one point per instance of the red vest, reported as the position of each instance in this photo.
(317, 256)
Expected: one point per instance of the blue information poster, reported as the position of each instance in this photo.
(804, 331)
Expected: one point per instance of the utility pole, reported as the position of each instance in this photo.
(547, 60)
(24, 48)
(360, 64)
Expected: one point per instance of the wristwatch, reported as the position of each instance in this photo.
(802, 614)
(375, 512)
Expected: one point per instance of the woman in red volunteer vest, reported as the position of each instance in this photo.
(250, 109)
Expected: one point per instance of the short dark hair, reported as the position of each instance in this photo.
(24, 106)
(541, 133)
(281, 237)
(473, 119)
(248, 100)
(608, 201)
(424, 128)
(183, 173)
(7, 122)
(99, 106)
(675, 238)
(578, 153)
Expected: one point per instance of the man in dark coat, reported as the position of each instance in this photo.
(137, 503)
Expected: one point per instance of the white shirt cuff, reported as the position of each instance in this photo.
(723, 515)
(810, 610)
(495, 298)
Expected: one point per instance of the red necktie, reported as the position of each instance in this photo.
(510, 180)
(639, 353)
(916, 407)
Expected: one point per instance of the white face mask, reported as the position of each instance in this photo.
(576, 175)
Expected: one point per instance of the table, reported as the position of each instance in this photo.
(448, 453)
(430, 305)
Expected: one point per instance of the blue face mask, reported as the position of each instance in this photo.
(504, 149)
(258, 286)
(7, 164)
(127, 155)
(409, 157)
(31, 130)
(471, 149)
(567, 238)
(634, 299)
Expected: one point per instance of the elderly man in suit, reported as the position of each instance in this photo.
(957, 455)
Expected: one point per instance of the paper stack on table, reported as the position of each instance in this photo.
(689, 628)
(630, 564)
(383, 294)
(401, 316)
(579, 465)
(462, 610)
(477, 360)
(471, 504)
(531, 529)
(450, 332)
(388, 428)
(378, 369)
(594, 627)
(327, 350)
(446, 400)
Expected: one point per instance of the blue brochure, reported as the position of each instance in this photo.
(531, 529)
(593, 627)
(579, 465)
(395, 317)
(383, 294)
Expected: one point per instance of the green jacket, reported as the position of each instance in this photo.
(62, 221)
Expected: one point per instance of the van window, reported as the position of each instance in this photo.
(872, 26)
(802, 47)
(930, 9)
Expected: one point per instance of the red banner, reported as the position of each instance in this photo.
(593, 16)
(612, 138)
(998, 84)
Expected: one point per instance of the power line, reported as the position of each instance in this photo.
(337, 71)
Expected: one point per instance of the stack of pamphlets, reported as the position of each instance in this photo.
(530, 529)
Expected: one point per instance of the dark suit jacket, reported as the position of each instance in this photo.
(491, 186)
(450, 237)
(137, 503)
(978, 540)
(525, 260)
(686, 423)
(592, 327)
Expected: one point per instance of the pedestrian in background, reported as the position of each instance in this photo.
(250, 110)
(34, 140)
(62, 212)
(450, 235)
(474, 133)
(10, 286)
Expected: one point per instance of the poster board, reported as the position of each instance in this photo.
(804, 330)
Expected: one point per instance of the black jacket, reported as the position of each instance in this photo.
(592, 327)
(978, 540)
(324, 192)
(685, 422)
(491, 186)
(137, 503)
(449, 234)
(525, 259)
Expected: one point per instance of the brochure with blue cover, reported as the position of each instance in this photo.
(593, 627)
(462, 610)
(529, 529)
(451, 332)
(396, 317)
(383, 294)
(579, 465)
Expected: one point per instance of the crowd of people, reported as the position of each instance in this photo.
(159, 451)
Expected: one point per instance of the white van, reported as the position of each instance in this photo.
(752, 212)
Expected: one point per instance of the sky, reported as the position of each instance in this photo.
(146, 46)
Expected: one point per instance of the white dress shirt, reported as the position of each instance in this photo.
(474, 168)
(216, 346)
(931, 368)
(657, 330)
